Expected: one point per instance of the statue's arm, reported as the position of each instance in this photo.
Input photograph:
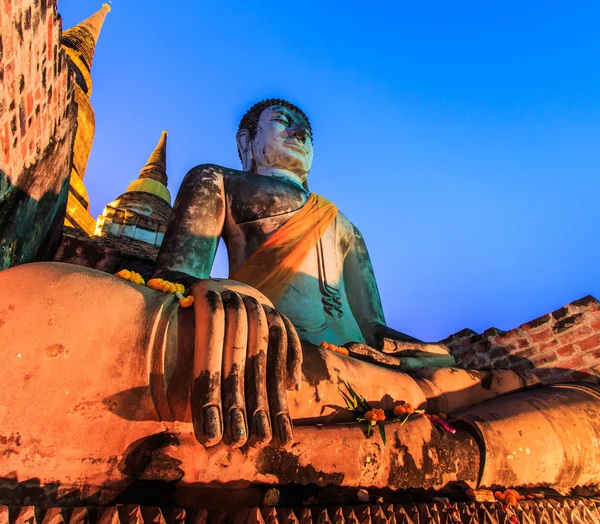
(188, 249)
(363, 294)
(237, 395)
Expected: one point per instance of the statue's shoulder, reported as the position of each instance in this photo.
(214, 173)
(206, 171)
(344, 223)
(349, 233)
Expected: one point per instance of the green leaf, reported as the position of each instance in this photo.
(348, 401)
(364, 404)
(353, 399)
(382, 433)
(369, 429)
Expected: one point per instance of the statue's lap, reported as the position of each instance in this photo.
(84, 393)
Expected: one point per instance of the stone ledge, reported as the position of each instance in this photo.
(543, 511)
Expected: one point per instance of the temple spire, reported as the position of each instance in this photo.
(79, 44)
(83, 37)
(142, 212)
(156, 167)
(94, 23)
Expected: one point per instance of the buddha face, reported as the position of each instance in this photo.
(282, 141)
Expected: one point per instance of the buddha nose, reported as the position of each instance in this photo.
(298, 132)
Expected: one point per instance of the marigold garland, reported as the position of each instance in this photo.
(337, 349)
(186, 301)
(131, 276)
(158, 284)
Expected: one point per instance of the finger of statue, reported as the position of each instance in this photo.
(234, 364)
(208, 359)
(276, 375)
(294, 356)
(257, 405)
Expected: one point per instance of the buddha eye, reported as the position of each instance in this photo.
(281, 119)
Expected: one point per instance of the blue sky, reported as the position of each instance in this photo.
(462, 138)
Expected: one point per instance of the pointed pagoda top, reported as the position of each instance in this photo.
(94, 23)
(153, 176)
(156, 167)
(84, 36)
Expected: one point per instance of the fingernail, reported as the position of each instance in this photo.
(284, 427)
(262, 427)
(212, 425)
(237, 424)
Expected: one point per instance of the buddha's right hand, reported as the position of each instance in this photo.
(246, 355)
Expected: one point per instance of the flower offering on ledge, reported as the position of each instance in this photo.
(158, 284)
(337, 349)
(131, 276)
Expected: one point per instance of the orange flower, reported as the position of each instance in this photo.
(403, 408)
(510, 496)
(513, 501)
(158, 284)
(375, 415)
(132, 276)
(332, 347)
(339, 349)
(124, 274)
(186, 302)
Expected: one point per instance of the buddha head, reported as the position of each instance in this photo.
(275, 135)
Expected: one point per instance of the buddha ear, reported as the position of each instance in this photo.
(245, 149)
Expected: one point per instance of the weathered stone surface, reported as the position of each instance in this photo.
(533, 435)
(133, 428)
(545, 511)
(37, 130)
(106, 254)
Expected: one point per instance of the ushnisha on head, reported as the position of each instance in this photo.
(275, 137)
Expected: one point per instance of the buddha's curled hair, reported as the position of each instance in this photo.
(250, 119)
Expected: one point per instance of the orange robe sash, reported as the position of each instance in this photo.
(271, 267)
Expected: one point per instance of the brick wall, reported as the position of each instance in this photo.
(560, 346)
(37, 127)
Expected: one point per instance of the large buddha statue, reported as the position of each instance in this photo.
(106, 380)
(293, 246)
